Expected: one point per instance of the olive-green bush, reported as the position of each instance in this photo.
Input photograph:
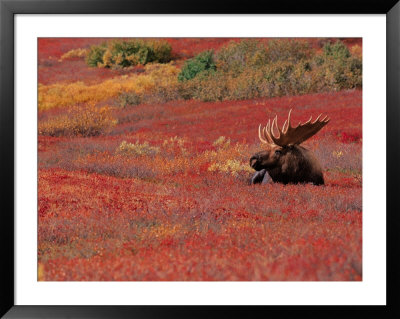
(119, 53)
(250, 69)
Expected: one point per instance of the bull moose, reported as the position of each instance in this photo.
(284, 160)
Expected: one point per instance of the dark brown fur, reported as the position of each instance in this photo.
(289, 164)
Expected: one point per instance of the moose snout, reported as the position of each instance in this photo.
(253, 161)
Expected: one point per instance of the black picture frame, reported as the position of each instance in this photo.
(9, 8)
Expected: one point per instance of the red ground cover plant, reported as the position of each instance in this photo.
(165, 194)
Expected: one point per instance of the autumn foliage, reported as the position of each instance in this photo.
(158, 189)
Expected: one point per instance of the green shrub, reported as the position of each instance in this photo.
(277, 79)
(338, 50)
(212, 88)
(287, 50)
(123, 54)
(338, 75)
(249, 69)
(95, 55)
(238, 56)
(204, 61)
(337, 68)
(160, 51)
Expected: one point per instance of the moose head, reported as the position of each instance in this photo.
(283, 159)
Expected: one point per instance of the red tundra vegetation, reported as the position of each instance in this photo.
(161, 191)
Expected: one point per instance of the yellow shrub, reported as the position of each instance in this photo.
(227, 158)
(74, 53)
(40, 271)
(337, 154)
(222, 142)
(234, 167)
(62, 95)
(137, 148)
(174, 143)
(79, 121)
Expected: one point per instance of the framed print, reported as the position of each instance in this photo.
(159, 156)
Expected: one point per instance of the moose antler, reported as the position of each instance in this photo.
(290, 135)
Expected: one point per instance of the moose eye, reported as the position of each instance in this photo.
(278, 152)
